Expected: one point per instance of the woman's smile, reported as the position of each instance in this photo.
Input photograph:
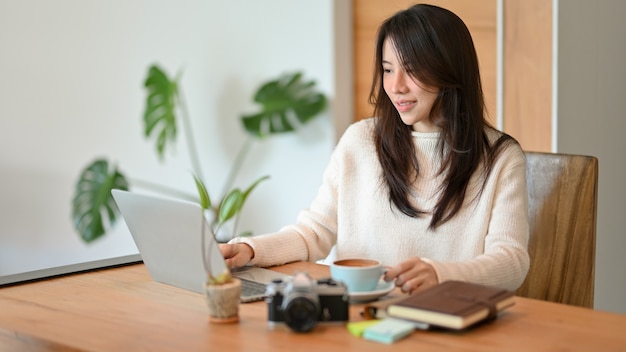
(405, 105)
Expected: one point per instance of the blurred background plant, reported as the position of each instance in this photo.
(287, 103)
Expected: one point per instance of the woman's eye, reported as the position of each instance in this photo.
(386, 70)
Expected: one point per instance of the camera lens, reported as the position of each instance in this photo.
(301, 314)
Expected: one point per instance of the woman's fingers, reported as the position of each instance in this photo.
(237, 254)
(424, 279)
(412, 275)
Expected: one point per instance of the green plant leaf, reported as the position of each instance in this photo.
(205, 200)
(283, 101)
(230, 206)
(93, 200)
(234, 200)
(159, 116)
(253, 186)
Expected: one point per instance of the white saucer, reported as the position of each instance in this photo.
(381, 289)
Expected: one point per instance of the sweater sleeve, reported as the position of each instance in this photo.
(314, 233)
(505, 260)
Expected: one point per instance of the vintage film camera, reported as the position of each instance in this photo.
(301, 302)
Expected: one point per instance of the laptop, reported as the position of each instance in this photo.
(167, 233)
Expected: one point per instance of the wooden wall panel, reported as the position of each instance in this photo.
(527, 83)
(479, 15)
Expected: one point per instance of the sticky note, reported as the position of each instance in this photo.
(357, 328)
(388, 330)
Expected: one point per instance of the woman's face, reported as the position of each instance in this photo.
(412, 98)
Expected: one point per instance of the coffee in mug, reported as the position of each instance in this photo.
(359, 275)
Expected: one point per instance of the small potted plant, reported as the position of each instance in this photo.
(284, 101)
(222, 290)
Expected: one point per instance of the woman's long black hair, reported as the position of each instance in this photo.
(435, 46)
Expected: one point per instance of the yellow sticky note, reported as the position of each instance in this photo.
(357, 328)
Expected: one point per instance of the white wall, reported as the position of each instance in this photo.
(591, 119)
(71, 75)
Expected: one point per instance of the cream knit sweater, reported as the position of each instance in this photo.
(486, 242)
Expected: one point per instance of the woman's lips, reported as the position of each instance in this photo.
(405, 105)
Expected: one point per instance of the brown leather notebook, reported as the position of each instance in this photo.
(453, 304)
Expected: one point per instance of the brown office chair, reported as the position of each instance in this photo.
(562, 195)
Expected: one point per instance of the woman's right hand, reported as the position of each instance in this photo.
(413, 275)
(236, 254)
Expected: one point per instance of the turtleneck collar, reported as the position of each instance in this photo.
(424, 135)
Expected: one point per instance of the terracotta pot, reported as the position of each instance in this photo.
(223, 301)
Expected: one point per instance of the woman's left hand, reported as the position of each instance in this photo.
(413, 275)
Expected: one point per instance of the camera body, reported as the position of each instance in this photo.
(301, 302)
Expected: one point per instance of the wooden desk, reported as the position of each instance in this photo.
(122, 309)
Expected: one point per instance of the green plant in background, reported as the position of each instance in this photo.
(286, 103)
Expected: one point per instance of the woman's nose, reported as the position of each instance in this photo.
(398, 84)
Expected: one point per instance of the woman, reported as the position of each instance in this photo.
(428, 186)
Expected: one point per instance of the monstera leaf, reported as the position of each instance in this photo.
(284, 101)
(160, 114)
(93, 199)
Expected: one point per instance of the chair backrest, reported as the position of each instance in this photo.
(562, 194)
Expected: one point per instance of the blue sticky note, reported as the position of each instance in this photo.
(388, 330)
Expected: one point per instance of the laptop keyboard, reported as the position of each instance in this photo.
(252, 288)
